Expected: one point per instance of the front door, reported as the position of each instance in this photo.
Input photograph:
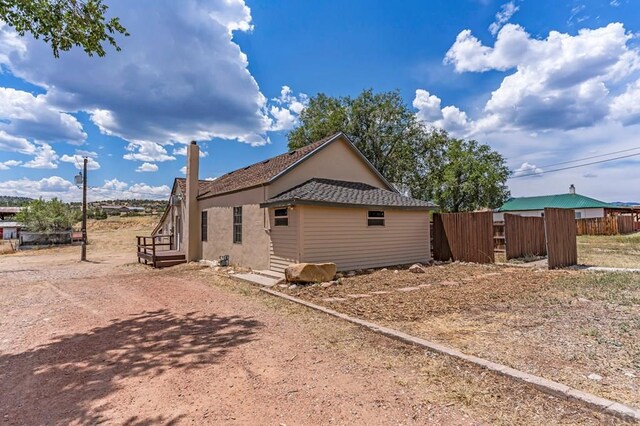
(178, 235)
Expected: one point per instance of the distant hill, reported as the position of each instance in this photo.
(626, 203)
(9, 201)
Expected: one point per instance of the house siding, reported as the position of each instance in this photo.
(284, 248)
(585, 213)
(335, 161)
(341, 236)
(253, 252)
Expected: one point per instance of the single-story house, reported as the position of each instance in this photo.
(9, 230)
(7, 213)
(115, 209)
(324, 202)
(584, 207)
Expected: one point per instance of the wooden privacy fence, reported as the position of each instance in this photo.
(524, 236)
(560, 229)
(465, 237)
(611, 225)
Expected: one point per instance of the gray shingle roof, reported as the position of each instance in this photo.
(345, 194)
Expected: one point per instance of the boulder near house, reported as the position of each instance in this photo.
(321, 203)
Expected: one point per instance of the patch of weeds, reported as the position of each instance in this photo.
(590, 332)
(625, 327)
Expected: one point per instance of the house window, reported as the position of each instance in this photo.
(237, 225)
(282, 217)
(203, 226)
(578, 215)
(375, 218)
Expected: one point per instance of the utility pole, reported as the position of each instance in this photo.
(83, 255)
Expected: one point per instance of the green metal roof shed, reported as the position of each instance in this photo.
(563, 201)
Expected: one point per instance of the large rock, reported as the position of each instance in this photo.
(417, 268)
(310, 272)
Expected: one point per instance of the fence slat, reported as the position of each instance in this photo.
(524, 236)
(560, 229)
(465, 237)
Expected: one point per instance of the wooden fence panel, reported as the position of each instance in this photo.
(465, 237)
(597, 226)
(625, 224)
(560, 229)
(610, 225)
(524, 236)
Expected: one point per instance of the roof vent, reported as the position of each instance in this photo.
(265, 161)
(292, 152)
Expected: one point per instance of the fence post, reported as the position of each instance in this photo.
(153, 245)
(560, 231)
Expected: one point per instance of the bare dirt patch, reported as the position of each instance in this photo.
(118, 343)
(562, 325)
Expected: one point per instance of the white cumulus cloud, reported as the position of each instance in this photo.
(179, 77)
(286, 108)
(527, 169)
(147, 167)
(147, 151)
(45, 158)
(502, 17)
(561, 82)
(78, 161)
(34, 118)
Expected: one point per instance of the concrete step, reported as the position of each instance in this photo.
(258, 279)
(270, 274)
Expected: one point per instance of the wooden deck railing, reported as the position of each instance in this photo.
(150, 246)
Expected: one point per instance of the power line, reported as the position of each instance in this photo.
(575, 167)
(590, 158)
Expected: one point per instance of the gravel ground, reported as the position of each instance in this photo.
(562, 325)
(118, 343)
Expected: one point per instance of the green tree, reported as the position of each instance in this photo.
(64, 23)
(460, 175)
(48, 216)
(457, 175)
(380, 125)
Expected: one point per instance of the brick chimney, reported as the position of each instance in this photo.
(192, 220)
(572, 189)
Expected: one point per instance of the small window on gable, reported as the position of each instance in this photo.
(375, 218)
(578, 215)
(281, 217)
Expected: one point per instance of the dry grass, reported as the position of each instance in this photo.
(563, 325)
(617, 251)
(430, 379)
(112, 235)
(7, 247)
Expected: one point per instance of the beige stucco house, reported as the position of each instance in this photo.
(321, 203)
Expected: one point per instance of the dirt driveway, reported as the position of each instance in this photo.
(116, 343)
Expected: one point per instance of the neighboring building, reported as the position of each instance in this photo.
(321, 203)
(584, 207)
(7, 213)
(9, 230)
(114, 209)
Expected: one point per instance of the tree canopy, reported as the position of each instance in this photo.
(64, 23)
(457, 175)
(48, 216)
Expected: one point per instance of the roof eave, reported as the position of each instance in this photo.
(298, 202)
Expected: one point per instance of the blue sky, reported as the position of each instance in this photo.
(543, 82)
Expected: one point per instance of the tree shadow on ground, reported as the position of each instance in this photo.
(63, 381)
